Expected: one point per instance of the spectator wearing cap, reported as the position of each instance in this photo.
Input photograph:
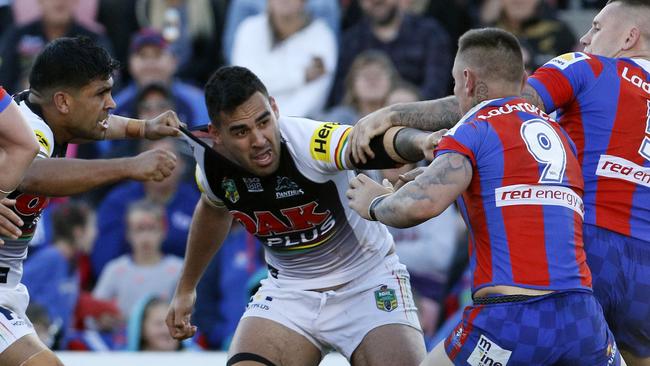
(19, 45)
(151, 61)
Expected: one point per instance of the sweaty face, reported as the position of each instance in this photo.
(608, 31)
(250, 135)
(89, 109)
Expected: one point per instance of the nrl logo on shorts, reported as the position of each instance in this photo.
(229, 187)
(385, 298)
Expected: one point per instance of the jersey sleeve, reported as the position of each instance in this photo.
(462, 139)
(5, 99)
(204, 187)
(44, 136)
(321, 146)
(561, 80)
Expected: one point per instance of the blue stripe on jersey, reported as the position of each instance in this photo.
(598, 134)
(543, 93)
(562, 268)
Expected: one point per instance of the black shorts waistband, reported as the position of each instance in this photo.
(502, 299)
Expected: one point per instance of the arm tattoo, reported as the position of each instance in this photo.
(429, 194)
(431, 115)
(530, 94)
(407, 144)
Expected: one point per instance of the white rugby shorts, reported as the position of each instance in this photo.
(341, 318)
(13, 321)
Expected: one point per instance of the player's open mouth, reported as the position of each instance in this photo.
(264, 158)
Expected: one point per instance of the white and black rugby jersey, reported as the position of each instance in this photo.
(300, 213)
(28, 206)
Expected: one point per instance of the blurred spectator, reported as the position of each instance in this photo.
(20, 44)
(294, 55)
(85, 11)
(152, 61)
(6, 16)
(147, 270)
(370, 79)
(419, 47)
(239, 258)
(193, 29)
(532, 22)
(238, 10)
(45, 330)
(99, 326)
(178, 197)
(147, 330)
(118, 19)
(403, 92)
(52, 273)
(150, 101)
(455, 16)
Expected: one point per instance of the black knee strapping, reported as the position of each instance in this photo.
(245, 356)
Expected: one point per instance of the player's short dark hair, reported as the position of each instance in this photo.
(495, 53)
(71, 63)
(68, 216)
(228, 88)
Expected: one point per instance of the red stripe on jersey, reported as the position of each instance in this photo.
(527, 246)
(482, 246)
(3, 92)
(573, 126)
(464, 333)
(557, 85)
(614, 196)
(449, 143)
(596, 65)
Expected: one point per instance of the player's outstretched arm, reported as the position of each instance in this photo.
(64, 177)
(398, 145)
(164, 125)
(430, 115)
(427, 196)
(18, 147)
(210, 225)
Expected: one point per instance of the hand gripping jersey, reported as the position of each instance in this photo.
(29, 207)
(523, 206)
(604, 105)
(312, 238)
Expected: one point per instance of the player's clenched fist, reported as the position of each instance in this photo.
(156, 164)
(178, 315)
(164, 125)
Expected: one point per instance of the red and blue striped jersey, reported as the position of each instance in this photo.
(523, 207)
(604, 105)
(5, 99)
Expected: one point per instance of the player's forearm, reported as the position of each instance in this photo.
(430, 115)
(428, 195)
(64, 177)
(209, 228)
(408, 144)
(122, 127)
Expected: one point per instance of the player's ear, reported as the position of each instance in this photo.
(469, 82)
(62, 101)
(274, 107)
(214, 133)
(632, 38)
